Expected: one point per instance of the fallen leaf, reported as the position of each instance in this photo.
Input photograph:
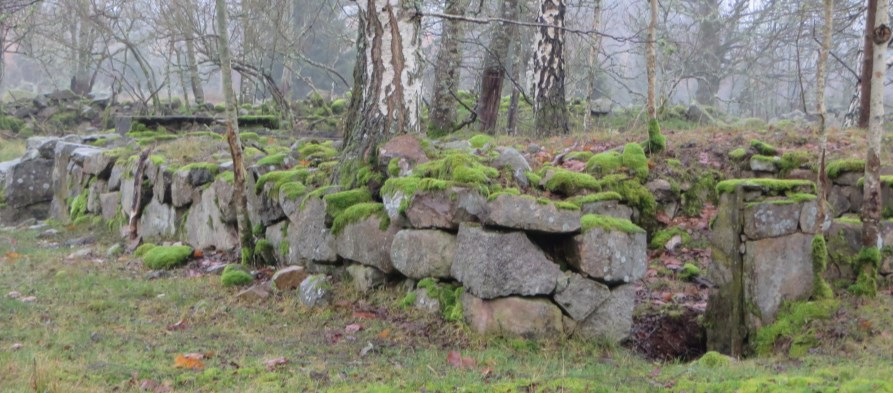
(271, 364)
(198, 254)
(364, 315)
(455, 359)
(353, 328)
(384, 334)
(486, 371)
(192, 361)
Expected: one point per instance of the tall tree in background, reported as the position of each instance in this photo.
(246, 238)
(871, 205)
(442, 117)
(550, 108)
(495, 61)
(592, 75)
(387, 79)
(651, 63)
(822, 111)
(868, 65)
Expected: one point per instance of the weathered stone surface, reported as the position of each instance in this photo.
(662, 190)
(580, 296)
(366, 243)
(809, 213)
(446, 209)
(185, 182)
(777, 270)
(768, 219)
(514, 316)
(276, 234)
(423, 253)
(309, 235)
(254, 294)
(158, 221)
(206, 224)
(845, 199)
(613, 319)
(26, 183)
(392, 203)
(609, 255)
(94, 204)
(263, 208)
(493, 264)
(608, 208)
(406, 148)
(116, 175)
(519, 212)
(849, 179)
(515, 161)
(424, 302)
(99, 164)
(128, 195)
(109, 203)
(289, 278)
(761, 165)
(365, 278)
(162, 184)
(314, 290)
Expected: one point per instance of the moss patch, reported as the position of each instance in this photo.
(338, 202)
(317, 151)
(634, 158)
(839, 167)
(714, 360)
(793, 324)
(143, 249)
(594, 198)
(273, 159)
(590, 221)
(656, 141)
(279, 178)
(663, 236)
(604, 163)
(738, 154)
(770, 186)
(480, 140)
(448, 295)
(763, 148)
(359, 212)
(293, 190)
(867, 263)
(234, 276)
(820, 288)
(166, 257)
(567, 182)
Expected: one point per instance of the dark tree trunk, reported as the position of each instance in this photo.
(442, 117)
(494, 67)
(550, 108)
(867, 66)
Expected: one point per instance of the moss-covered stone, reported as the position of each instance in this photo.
(604, 163)
(293, 190)
(317, 151)
(143, 249)
(738, 154)
(458, 167)
(480, 140)
(166, 257)
(337, 203)
(359, 212)
(663, 236)
(593, 198)
(867, 263)
(769, 186)
(763, 148)
(209, 166)
(235, 275)
(273, 159)
(583, 156)
(689, 271)
(264, 252)
(448, 295)
(714, 360)
(279, 178)
(590, 221)
(838, 167)
(820, 288)
(634, 158)
(566, 182)
(791, 324)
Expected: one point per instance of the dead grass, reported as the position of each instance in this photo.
(11, 149)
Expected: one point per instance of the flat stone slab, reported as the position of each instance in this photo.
(423, 253)
(513, 316)
(526, 213)
(612, 256)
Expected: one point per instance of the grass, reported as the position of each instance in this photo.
(99, 327)
(11, 149)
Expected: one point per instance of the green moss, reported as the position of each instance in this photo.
(702, 190)
(11, 124)
(867, 263)
(235, 277)
(604, 163)
(771, 160)
(634, 158)
(714, 360)
(533, 178)
(793, 160)
(264, 252)
(338, 202)
(359, 212)
(249, 136)
(507, 191)
(635, 194)
(317, 151)
(838, 167)
(569, 183)
(480, 140)
(448, 295)
(763, 148)
(78, 205)
(273, 159)
(770, 186)
(211, 167)
(562, 205)
(279, 178)
(166, 257)
(583, 156)
(656, 141)
(227, 176)
(458, 167)
(590, 221)
(689, 271)
(663, 236)
(293, 190)
(157, 159)
(738, 154)
(593, 198)
(408, 300)
(793, 323)
(143, 249)
(394, 167)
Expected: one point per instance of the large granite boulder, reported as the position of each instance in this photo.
(422, 253)
(445, 209)
(186, 181)
(771, 219)
(158, 221)
(493, 264)
(513, 316)
(778, 270)
(365, 242)
(308, 233)
(526, 213)
(609, 255)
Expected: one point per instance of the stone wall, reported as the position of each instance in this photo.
(762, 256)
(527, 267)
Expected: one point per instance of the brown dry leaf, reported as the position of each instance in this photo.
(271, 364)
(191, 361)
(353, 328)
(198, 254)
(455, 359)
(364, 315)
(384, 334)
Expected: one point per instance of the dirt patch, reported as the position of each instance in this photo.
(669, 336)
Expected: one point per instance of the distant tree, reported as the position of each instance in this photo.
(821, 108)
(868, 65)
(442, 115)
(496, 60)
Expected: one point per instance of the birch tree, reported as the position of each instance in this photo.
(442, 116)
(550, 108)
(868, 65)
(387, 79)
(651, 63)
(246, 237)
(495, 59)
(821, 109)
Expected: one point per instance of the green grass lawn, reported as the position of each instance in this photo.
(98, 325)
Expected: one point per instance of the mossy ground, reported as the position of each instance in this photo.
(128, 318)
(166, 257)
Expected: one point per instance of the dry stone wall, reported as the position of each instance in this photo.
(526, 267)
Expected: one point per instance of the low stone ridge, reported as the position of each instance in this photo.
(494, 264)
(609, 255)
(423, 253)
(526, 213)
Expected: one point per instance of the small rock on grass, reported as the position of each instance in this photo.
(289, 278)
(254, 294)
